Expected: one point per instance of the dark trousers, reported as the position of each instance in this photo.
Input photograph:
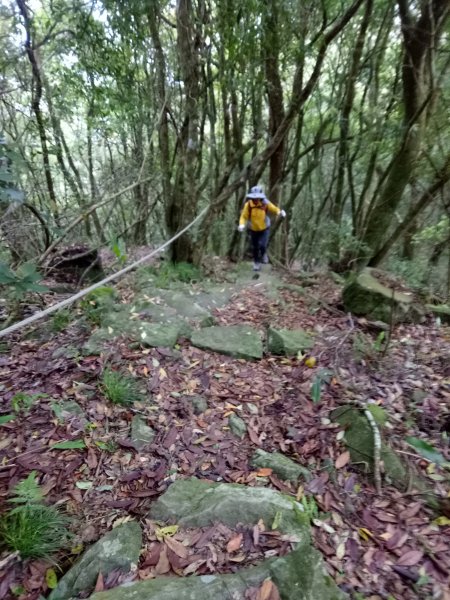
(260, 240)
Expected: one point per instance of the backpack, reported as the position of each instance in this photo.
(250, 207)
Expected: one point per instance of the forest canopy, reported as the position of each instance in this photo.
(121, 121)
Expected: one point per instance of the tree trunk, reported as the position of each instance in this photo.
(420, 36)
(35, 104)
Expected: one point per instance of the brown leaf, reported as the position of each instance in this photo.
(176, 547)
(342, 460)
(409, 559)
(235, 543)
(92, 459)
(99, 586)
(163, 565)
(264, 472)
(268, 591)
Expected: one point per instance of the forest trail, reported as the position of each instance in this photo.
(214, 416)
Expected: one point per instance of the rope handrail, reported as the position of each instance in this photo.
(88, 290)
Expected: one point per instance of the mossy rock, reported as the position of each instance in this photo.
(117, 550)
(281, 465)
(288, 342)
(299, 575)
(368, 294)
(440, 310)
(239, 341)
(360, 441)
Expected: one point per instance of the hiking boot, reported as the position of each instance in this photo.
(265, 259)
(256, 266)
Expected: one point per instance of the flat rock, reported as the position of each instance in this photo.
(288, 342)
(118, 549)
(239, 341)
(299, 575)
(158, 335)
(141, 433)
(281, 465)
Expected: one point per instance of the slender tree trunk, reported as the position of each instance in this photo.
(35, 103)
(420, 36)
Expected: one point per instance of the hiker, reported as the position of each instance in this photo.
(255, 214)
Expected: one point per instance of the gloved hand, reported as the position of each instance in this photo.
(241, 228)
(282, 213)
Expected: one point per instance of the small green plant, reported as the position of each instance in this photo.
(24, 279)
(22, 402)
(169, 273)
(366, 349)
(97, 303)
(32, 528)
(119, 388)
(310, 506)
(60, 320)
(118, 247)
(323, 377)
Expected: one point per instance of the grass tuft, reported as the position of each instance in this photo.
(32, 528)
(119, 388)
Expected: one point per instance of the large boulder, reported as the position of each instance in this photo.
(118, 549)
(288, 342)
(239, 341)
(376, 295)
(192, 503)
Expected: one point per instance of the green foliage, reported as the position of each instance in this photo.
(365, 348)
(97, 303)
(32, 528)
(378, 413)
(323, 377)
(27, 491)
(426, 450)
(310, 506)
(118, 247)
(119, 388)
(169, 273)
(24, 279)
(434, 233)
(60, 320)
(22, 402)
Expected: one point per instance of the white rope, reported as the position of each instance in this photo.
(82, 293)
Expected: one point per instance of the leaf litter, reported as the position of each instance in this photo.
(391, 545)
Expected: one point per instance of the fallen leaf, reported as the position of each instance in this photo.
(100, 585)
(264, 472)
(162, 532)
(342, 460)
(163, 565)
(176, 547)
(235, 543)
(365, 534)
(268, 591)
(409, 559)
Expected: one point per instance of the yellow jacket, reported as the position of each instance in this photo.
(256, 211)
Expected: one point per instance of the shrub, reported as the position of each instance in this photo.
(32, 528)
(97, 303)
(119, 388)
(60, 320)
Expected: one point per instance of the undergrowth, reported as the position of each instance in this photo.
(119, 388)
(32, 528)
(170, 272)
